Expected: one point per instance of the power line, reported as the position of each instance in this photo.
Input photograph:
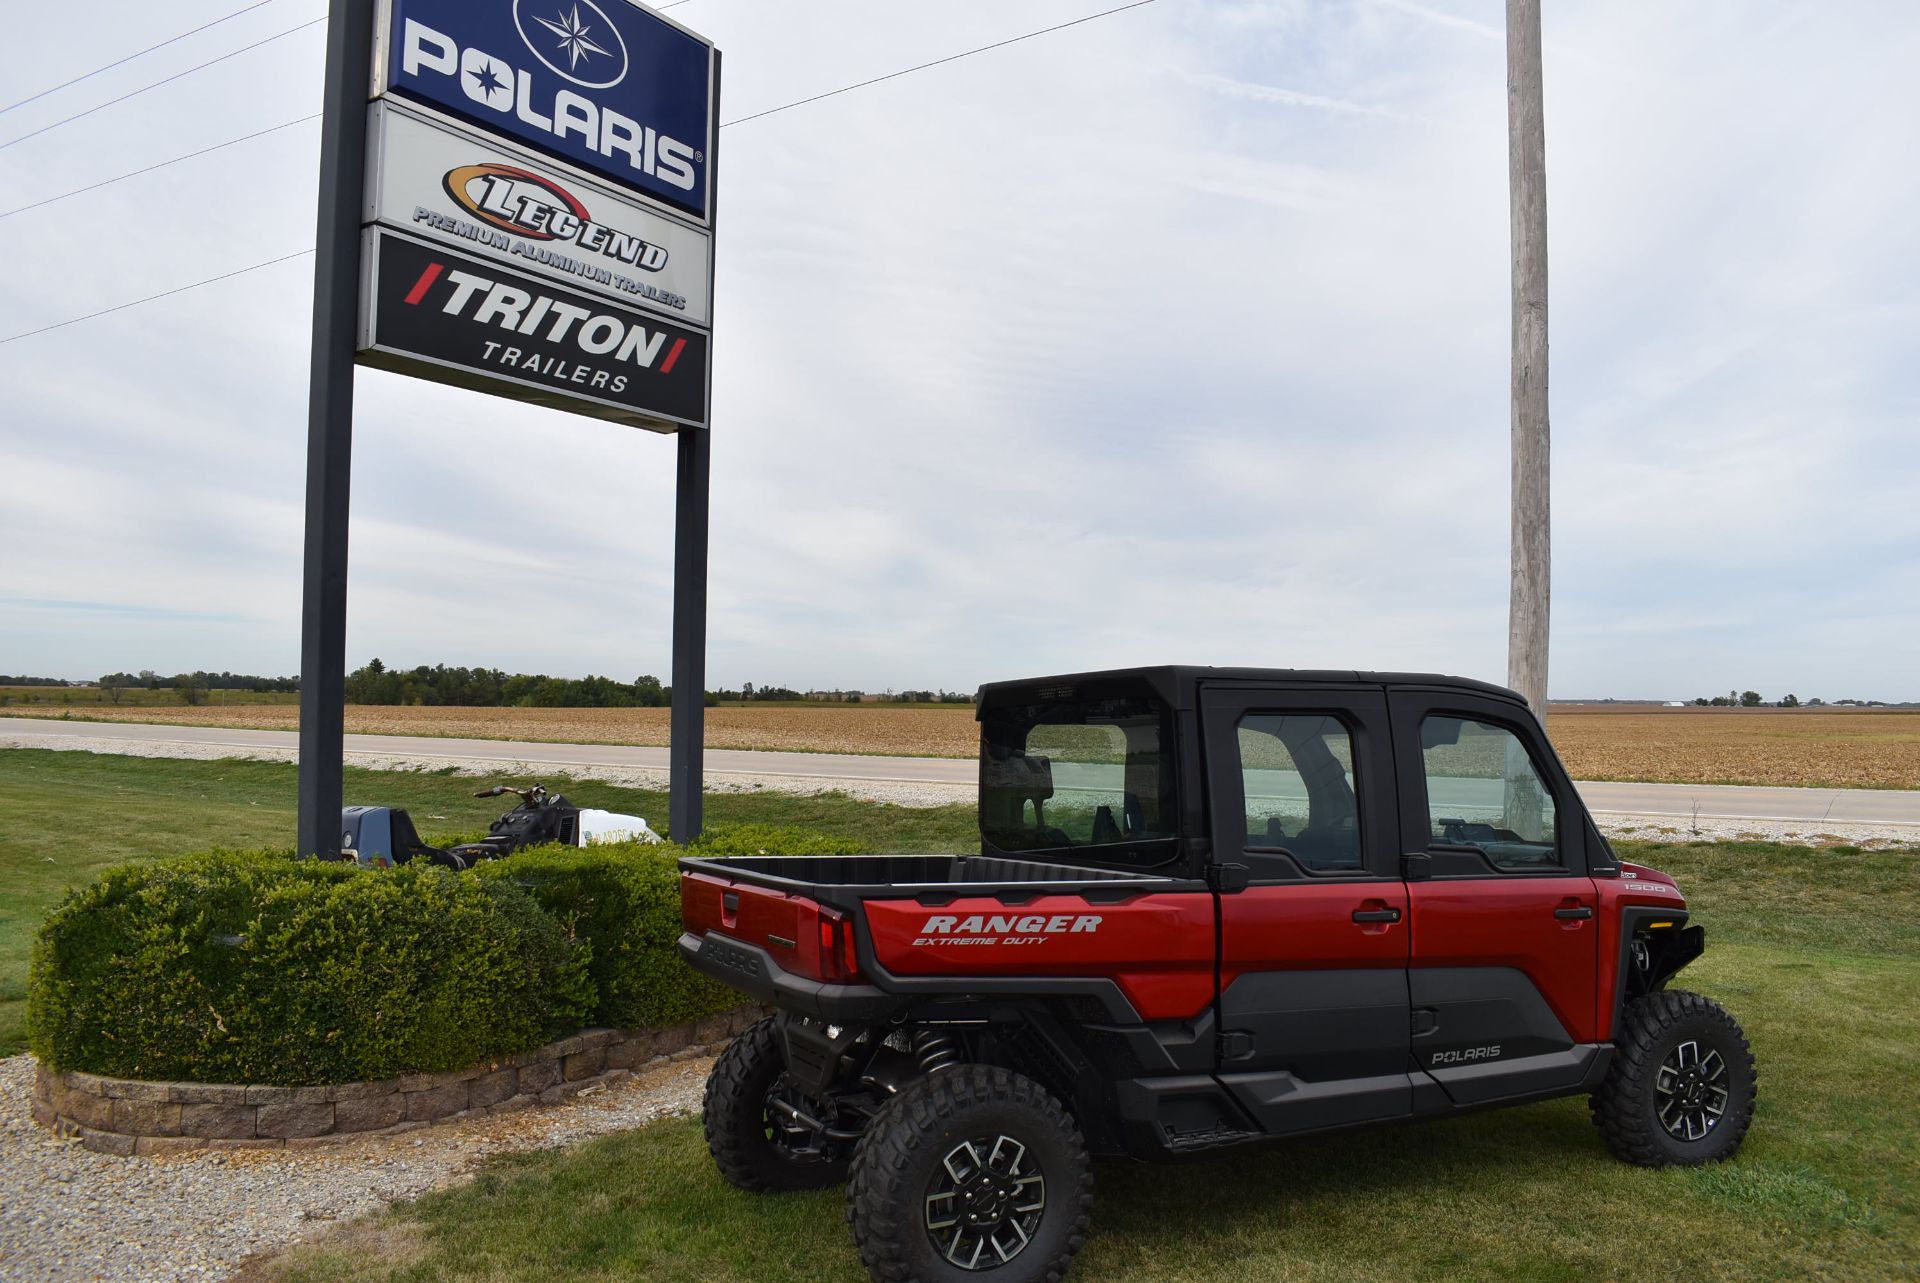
(757, 115)
(121, 307)
(205, 26)
(895, 75)
(156, 84)
(108, 182)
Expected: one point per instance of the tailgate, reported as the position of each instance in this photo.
(799, 934)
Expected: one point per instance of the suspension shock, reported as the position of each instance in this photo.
(935, 1050)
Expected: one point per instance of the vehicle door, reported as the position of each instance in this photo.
(1313, 951)
(1505, 955)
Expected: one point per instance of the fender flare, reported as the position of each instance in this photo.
(1676, 947)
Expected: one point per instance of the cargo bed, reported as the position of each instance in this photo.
(844, 879)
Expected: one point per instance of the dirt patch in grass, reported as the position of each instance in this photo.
(396, 1243)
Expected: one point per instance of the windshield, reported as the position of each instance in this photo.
(1091, 775)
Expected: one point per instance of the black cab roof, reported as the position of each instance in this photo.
(1179, 684)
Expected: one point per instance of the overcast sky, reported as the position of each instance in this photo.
(1180, 336)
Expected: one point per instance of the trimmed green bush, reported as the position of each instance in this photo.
(251, 967)
(623, 900)
(254, 967)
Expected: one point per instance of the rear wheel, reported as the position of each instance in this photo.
(754, 1141)
(970, 1175)
(1680, 1090)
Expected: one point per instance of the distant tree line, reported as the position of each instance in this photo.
(457, 687)
(193, 687)
(453, 687)
(1752, 699)
(749, 693)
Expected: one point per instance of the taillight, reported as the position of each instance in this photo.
(839, 954)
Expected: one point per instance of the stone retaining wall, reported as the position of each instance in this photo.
(123, 1116)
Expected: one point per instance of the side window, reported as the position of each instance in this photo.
(1484, 791)
(1108, 782)
(1297, 775)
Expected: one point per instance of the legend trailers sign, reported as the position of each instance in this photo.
(476, 194)
(537, 204)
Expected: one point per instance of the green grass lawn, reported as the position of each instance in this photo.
(1817, 952)
(1814, 952)
(66, 816)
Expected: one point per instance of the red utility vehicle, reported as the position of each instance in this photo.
(1211, 906)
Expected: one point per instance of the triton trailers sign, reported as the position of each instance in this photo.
(556, 158)
(500, 331)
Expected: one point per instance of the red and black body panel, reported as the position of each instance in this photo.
(1236, 986)
(1134, 947)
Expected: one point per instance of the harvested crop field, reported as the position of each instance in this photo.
(1786, 747)
(841, 728)
(1780, 747)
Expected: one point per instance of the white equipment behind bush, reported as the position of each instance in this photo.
(596, 827)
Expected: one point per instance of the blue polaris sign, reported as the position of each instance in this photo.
(601, 84)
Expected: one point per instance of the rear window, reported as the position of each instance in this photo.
(1090, 775)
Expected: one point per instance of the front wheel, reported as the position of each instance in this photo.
(1680, 1090)
(754, 1143)
(972, 1174)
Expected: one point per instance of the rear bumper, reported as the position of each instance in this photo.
(753, 971)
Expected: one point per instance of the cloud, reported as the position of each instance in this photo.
(1180, 336)
(1441, 18)
(1288, 97)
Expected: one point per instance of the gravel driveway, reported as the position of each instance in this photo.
(67, 1214)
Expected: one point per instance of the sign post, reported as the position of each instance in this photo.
(524, 208)
(336, 307)
(686, 748)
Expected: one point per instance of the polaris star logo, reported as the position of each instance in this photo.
(1028, 928)
(583, 47)
(1466, 1055)
(489, 81)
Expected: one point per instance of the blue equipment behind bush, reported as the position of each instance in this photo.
(382, 836)
(379, 837)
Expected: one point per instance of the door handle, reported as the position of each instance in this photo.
(1582, 911)
(1376, 915)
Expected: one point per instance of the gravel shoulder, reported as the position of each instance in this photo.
(68, 1215)
(898, 793)
(1666, 828)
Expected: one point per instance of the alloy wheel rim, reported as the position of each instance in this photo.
(984, 1202)
(1691, 1091)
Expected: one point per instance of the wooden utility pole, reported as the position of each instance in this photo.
(1528, 609)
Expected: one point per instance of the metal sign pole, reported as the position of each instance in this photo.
(686, 756)
(336, 294)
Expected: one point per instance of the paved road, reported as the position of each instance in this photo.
(1838, 806)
